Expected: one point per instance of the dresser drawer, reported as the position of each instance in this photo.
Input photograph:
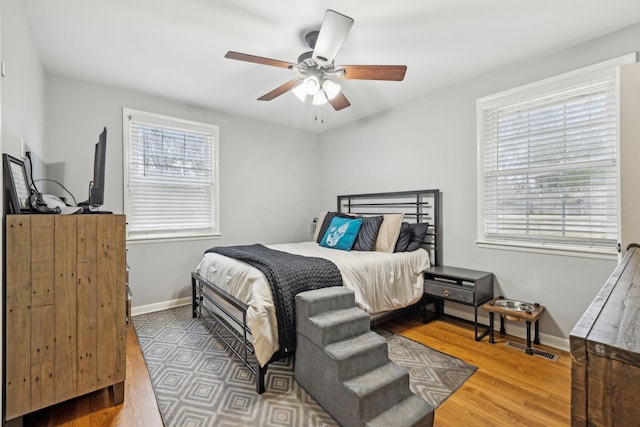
(456, 293)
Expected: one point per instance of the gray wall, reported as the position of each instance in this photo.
(431, 143)
(269, 177)
(21, 94)
(23, 105)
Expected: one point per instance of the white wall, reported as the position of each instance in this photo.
(630, 153)
(21, 95)
(23, 105)
(431, 143)
(268, 177)
(272, 178)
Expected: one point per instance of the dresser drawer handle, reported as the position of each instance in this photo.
(445, 293)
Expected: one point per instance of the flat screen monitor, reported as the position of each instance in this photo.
(96, 187)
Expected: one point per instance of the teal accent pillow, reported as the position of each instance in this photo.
(341, 234)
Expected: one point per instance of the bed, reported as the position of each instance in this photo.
(235, 300)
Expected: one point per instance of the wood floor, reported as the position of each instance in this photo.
(509, 388)
(139, 409)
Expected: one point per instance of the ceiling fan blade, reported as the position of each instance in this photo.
(280, 90)
(333, 32)
(258, 60)
(339, 101)
(372, 72)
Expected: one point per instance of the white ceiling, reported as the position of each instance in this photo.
(175, 48)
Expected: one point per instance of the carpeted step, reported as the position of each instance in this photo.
(358, 355)
(345, 366)
(378, 390)
(311, 303)
(332, 326)
(411, 412)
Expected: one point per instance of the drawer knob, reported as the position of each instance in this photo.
(445, 293)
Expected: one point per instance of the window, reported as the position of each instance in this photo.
(171, 176)
(548, 163)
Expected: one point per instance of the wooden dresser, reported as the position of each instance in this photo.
(65, 309)
(605, 352)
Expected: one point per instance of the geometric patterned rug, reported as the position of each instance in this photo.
(198, 382)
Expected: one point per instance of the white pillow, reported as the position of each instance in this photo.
(389, 232)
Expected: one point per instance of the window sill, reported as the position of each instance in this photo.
(170, 239)
(549, 249)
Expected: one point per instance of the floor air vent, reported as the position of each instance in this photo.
(536, 352)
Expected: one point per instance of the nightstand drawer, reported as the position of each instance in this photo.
(460, 285)
(455, 293)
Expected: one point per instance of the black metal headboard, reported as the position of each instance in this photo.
(417, 206)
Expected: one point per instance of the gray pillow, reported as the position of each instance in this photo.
(418, 231)
(403, 239)
(366, 240)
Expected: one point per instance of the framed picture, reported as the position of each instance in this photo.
(16, 185)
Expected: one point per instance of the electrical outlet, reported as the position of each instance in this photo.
(23, 149)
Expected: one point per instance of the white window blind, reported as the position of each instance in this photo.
(170, 187)
(550, 172)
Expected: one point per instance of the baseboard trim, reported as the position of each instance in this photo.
(159, 306)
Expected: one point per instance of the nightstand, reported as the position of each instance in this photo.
(468, 287)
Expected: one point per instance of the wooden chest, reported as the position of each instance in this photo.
(605, 352)
(65, 309)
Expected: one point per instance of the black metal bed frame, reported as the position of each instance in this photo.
(417, 206)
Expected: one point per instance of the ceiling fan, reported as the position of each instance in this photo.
(317, 69)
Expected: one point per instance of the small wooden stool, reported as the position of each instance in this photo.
(514, 310)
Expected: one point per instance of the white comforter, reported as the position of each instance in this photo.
(381, 282)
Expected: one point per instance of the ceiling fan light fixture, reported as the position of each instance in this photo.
(331, 88)
(311, 85)
(300, 92)
(319, 98)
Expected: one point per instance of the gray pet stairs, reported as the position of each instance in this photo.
(345, 366)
